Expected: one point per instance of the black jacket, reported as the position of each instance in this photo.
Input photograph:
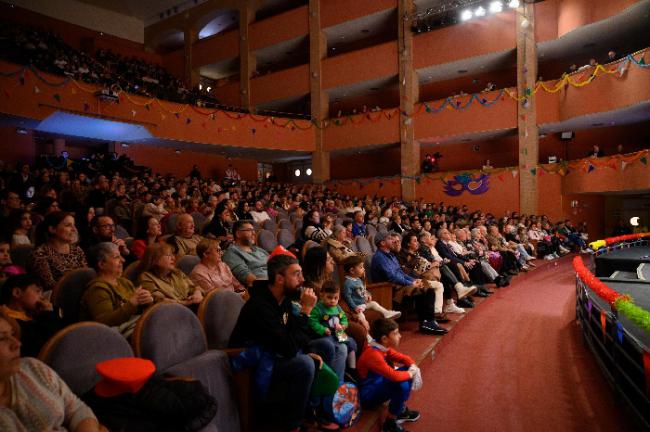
(274, 326)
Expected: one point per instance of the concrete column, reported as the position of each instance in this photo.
(192, 76)
(527, 110)
(247, 62)
(319, 99)
(59, 146)
(408, 89)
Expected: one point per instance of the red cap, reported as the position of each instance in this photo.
(280, 250)
(123, 375)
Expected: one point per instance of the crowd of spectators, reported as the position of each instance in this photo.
(108, 213)
(48, 52)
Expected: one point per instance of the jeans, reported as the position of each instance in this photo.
(383, 390)
(295, 376)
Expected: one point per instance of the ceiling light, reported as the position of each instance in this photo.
(200, 86)
(297, 173)
(513, 4)
(209, 89)
(466, 15)
(308, 171)
(496, 7)
(480, 11)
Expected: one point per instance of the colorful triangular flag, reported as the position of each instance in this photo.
(590, 168)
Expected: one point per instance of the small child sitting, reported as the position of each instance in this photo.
(356, 295)
(381, 381)
(328, 319)
(7, 268)
(22, 299)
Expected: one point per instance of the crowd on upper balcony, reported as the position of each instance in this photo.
(47, 51)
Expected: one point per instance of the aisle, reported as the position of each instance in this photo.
(518, 364)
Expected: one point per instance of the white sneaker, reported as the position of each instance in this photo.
(564, 250)
(585, 251)
(452, 308)
(464, 291)
(549, 257)
(393, 314)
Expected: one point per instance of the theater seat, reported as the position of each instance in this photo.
(69, 290)
(170, 335)
(266, 240)
(74, 351)
(218, 313)
(186, 263)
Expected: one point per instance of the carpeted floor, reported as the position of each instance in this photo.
(517, 363)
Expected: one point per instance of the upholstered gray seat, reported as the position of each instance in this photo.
(199, 219)
(363, 245)
(266, 240)
(270, 225)
(370, 230)
(285, 238)
(170, 225)
(170, 335)
(121, 232)
(285, 224)
(68, 292)
(131, 271)
(74, 351)
(186, 263)
(218, 315)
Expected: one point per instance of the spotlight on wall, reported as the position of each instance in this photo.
(496, 7)
(209, 89)
(480, 11)
(466, 15)
(308, 172)
(200, 86)
(634, 221)
(513, 4)
(297, 173)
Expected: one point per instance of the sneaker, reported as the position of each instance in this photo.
(549, 257)
(464, 291)
(452, 308)
(408, 416)
(585, 251)
(393, 314)
(391, 425)
(564, 250)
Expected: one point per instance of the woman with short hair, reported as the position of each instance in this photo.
(212, 273)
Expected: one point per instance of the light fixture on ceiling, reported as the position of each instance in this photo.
(480, 11)
(200, 86)
(496, 7)
(308, 172)
(513, 4)
(297, 173)
(466, 15)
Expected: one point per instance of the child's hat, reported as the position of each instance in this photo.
(281, 250)
(123, 375)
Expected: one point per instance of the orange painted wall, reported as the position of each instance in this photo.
(280, 28)
(214, 49)
(575, 13)
(502, 152)
(174, 62)
(635, 177)
(443, 89)
(364, 133)
(378, 61)
(495, 33)
(190, 125)
(606, 93)
(279, 85)
(228, 94)
(387, 187)
(476, 118)
(502, 195)
(372, 164)
(335, 12)
(164, 160)
(15, 148)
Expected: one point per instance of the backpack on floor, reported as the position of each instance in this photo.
(346, 406)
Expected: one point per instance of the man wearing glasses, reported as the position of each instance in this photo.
(103, 230)
(246, 261)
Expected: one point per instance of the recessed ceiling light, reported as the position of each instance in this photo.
(462, 71)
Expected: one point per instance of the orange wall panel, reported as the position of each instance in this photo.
(635, 177)
(164, 160)
(374, 164)
(477, 37)
(215, 49)
(228, 94)
(191, 124)
(388, 187)
(546, 24)
(280, 85)
(369, 63)
(476, 118)
(364, 133)
(548, 106)
(575, 13)
(501, 152)
(279, 28)
(605, 93)
(174, 62)
(16, 148)
(335, 12)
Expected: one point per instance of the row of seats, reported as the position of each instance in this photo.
(176, 340)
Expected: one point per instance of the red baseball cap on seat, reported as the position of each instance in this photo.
(123, 375)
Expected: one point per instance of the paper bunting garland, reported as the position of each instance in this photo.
(603, 324)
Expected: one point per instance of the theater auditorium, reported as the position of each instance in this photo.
(323, 215)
